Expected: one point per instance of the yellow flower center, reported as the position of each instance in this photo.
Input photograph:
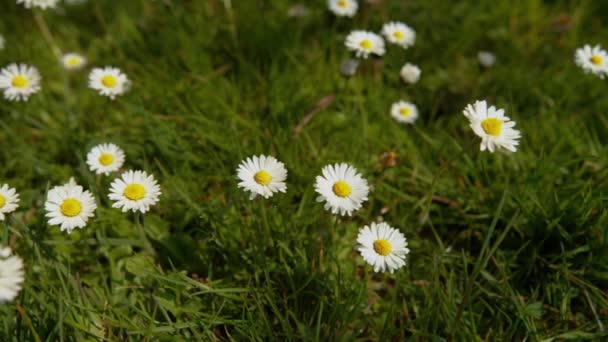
(405, 111)
(19, 81)
(398, 35)
(342, 3)
(366, 44)
(71, 207)
(597, 60)
(106, 159)
(135, 192)
(2, 201)
(262, 177)
(73, 61)
(342, 189)
(109, 81)
(382, 247)
(492, 126)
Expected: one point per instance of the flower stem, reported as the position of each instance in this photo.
(139, 222)
(44, 29)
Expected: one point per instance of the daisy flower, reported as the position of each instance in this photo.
(105, 158)
(9, 199)
(383, 247)
(109, 81)
(364, 43)
(73, 61)
(494, 128)
(263, 175)
(399, 33)
(486, 59)
(19, 81)
(592, 60)
(11, 275)
(342, 189)
(135, 191)
(343, 8)
(404, 112)
(44, 4)
(69, 206)
(410, 73)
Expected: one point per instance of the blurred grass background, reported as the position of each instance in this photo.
(503, 247)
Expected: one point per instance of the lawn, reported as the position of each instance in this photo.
(503, 246)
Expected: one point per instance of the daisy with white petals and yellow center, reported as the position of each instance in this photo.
(262, 175)
(405, 112)
(399, 33)
(43, 4)
(383, 247)
(11, 275)
(364, 43)
(69, 206)
(19, 81)
(343, 8)
(341, 188)
(105, 158)
(135, 191)
(73, 61)
(9, 201)
(593, 60)
(492, 126)
(109, 81)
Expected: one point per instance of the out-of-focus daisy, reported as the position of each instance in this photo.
(73, 61)
(342, 189)
(109, 81)
(263, 175)
(399, 33)
(494, 128)
(9, 200)
(343, 8)
(19, 81)
(364, 43)
(44, 4)
(383, 247)
(404, 111)
(349, 67)
(69, 206)
(135, 191)
(592, 60)
(105, 158)
(11, 275)
(410, 73)
(2, 42)
(486, 59)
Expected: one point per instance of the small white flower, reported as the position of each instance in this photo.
(410, 73)
(11, 275)
(69, 206)
(73, 61)
(109, 81)
(19, 81)
(399, 33)
(486, 59)
(9, 199)
(494, 128)
(404, 112)
(342, 189)
(262, 176)
(105, 158)
(592, 60)
(44, 4)
(383, 247)
(135, 191)
(343, 8)
(364, 43)
(2, 41)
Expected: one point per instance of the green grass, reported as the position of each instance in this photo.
(503, 246)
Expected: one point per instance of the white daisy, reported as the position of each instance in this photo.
(494, 128)
(105, 158)
(410, 73)
(486, 59)
(592, 60)
(343, 8)
(342, 189)
(9, 199)
(73, 61)
(11, 275)
(364, 43)
(263, 175)
(44, 4)
(69, 206)
(399, 33)
(109, 81)
(383, 247)
(135, 191)
(19, 81)
(405, 112)
(2, 42)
